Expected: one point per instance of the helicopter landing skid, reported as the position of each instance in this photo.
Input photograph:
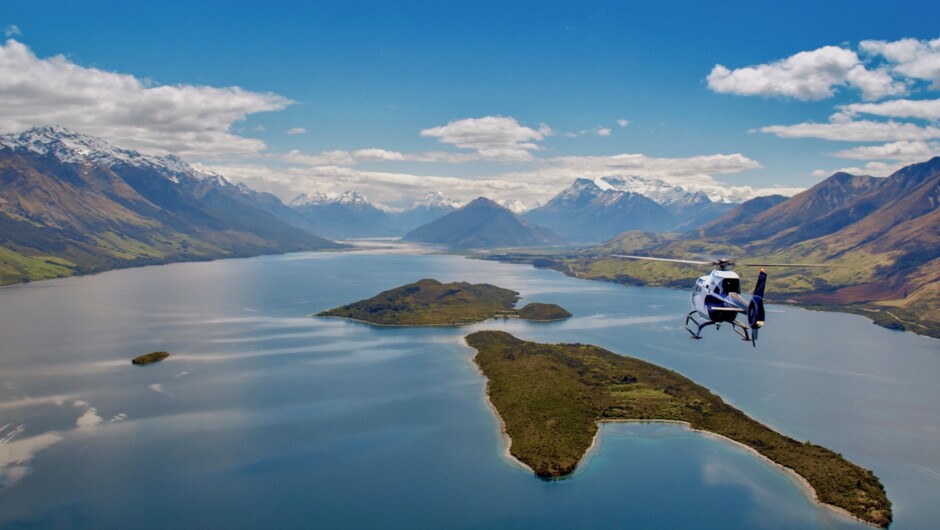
(739, 328)
(697, 334)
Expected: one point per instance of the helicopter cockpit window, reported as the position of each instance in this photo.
(731, 285)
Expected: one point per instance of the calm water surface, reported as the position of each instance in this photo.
(266, 417)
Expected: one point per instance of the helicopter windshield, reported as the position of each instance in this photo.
(731, 285)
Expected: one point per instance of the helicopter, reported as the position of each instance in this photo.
(716, 297)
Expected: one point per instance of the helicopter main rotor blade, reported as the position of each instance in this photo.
(690, 262)
(784, 265)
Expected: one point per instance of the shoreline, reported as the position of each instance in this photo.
(803, 484)
(504, 436)
(450, 325)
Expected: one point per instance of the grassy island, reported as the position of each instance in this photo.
(432, 303)
(150, 358)
(551, 396)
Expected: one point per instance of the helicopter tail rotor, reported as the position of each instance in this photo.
(755, 308)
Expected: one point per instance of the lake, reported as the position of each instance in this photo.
(266, 417)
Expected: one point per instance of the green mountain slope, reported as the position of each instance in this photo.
(72, 204)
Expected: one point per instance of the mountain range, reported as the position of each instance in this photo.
(881, 235)
(594, 210)
(351, 215)
(71, 204)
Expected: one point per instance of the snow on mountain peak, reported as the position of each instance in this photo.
(347, 198)
(75, 148)
(516, 206)
(436, 199)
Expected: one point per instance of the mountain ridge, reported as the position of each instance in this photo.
(74, 204)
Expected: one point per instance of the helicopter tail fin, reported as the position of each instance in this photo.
(755, 309)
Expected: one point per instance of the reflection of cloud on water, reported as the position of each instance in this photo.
(606, 321)
(718, 471)
(158, 388)
(35, 401)
(16, 451)
(335, 351)
(90, 418)
(16, 454)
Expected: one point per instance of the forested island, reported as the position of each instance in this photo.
(551, 397)
(150, 358)
(429, 302)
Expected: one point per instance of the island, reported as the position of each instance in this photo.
(550, 398)
(150, 358)
(429, 302)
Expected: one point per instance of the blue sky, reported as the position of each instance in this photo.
(504, 99)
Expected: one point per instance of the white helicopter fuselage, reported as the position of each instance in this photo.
(717, 296)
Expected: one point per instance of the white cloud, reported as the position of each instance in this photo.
(541, 183)
(855, 131)
(492, 137)
(12, 31)
(623, 122)
(910, 57)
(874, 169)
(808, 75)
(186, 120)
(924, 109)
(297, 130)
(904, 151)
(602, 131)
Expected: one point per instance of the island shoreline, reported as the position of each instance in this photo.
(805, 487)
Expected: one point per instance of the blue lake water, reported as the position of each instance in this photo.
(266, 417)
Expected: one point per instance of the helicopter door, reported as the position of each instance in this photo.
(698, 296)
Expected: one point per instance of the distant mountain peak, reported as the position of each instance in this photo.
(69, 147)
(347, 198)
(436, 200)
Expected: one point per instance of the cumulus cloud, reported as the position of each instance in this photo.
(602, 131)
(12, 31)
(492, 137)
(874, 169)
(855, 131)
(808, 75)
(297, 130)
(623, 122)
(910, 57)
(904, 151)
(546, 179)
(186, 120)
(924, 109)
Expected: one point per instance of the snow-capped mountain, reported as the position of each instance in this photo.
(347, 214)
(347, 198)
(97, 206)
(436, 200)
(69, 147)
(600, 208)
(516, 206)
(350, 214)
(592, 210)
(660, 191)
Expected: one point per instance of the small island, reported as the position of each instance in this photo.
(150, 358)
(432, 303)
(550, 398)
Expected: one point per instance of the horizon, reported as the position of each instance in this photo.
(506, 102)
